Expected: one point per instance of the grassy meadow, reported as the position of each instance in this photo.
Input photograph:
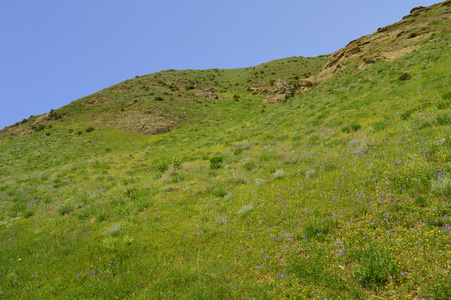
(340, 193)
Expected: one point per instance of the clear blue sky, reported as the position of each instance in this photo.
(53, 52)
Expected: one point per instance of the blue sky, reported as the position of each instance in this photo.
(53, 52)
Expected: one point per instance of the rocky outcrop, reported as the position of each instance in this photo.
(280, 92)
(30, 125)
(145, 123)
(387, 43)
(206, 93)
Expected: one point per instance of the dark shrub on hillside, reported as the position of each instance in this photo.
(404, 77)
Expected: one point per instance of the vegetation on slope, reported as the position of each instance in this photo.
(341, 192)
(167, 100)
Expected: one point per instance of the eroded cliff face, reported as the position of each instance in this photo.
(387, 43)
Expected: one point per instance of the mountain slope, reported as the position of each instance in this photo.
(342, 191)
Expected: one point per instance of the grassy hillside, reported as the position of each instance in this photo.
(165, 101)
(342, 192)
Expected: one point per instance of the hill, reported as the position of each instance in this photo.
(341, 191)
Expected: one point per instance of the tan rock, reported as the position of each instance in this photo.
(280, 92)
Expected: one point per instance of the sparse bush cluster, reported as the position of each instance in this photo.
(216, 162)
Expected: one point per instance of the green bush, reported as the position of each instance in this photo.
(266, 155)
(355, 126)
(109, 243)
(250, 165)
(318, 229)
(346, 129)
(27, 214)
(422, 201)
(216, 159)
(375, 265)
(238, 151)
(215, 166)
(65, 209)
(404, 77)
(443, 119)
(216, 162)
(162, 165)
(220, 192)
(446, 96)
(178, 178)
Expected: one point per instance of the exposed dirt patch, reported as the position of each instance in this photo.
(94, 100)
(145, 123)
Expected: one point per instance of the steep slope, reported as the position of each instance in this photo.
(341, 192)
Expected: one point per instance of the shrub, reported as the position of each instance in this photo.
(441, 185)
(317, 230)
(446, 96)
(162, 165)
(310, 174)
(250, 165)
(215, 166)
(313, 140)
(278, 174)
(238, 151)
(220, 193)
(421, 201)
(178, 178)
(228, 196)
(266, 155)
(216, 162)
(406, 115)
(65, 209)
(404, 77)
(27, 214)
(246, 209)
(79, 205)
(216, 159)
(109, 243)
(113, 230)
(221, 220)
(355, 126)
(176, 162)
(443, 119)
(375, 265)
(354, 144)
(346, 129)
(260, 181)
(128, 240)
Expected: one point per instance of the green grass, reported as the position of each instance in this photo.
(293, 206)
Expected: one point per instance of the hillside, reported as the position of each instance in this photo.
(167, 100)
(184, 184)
